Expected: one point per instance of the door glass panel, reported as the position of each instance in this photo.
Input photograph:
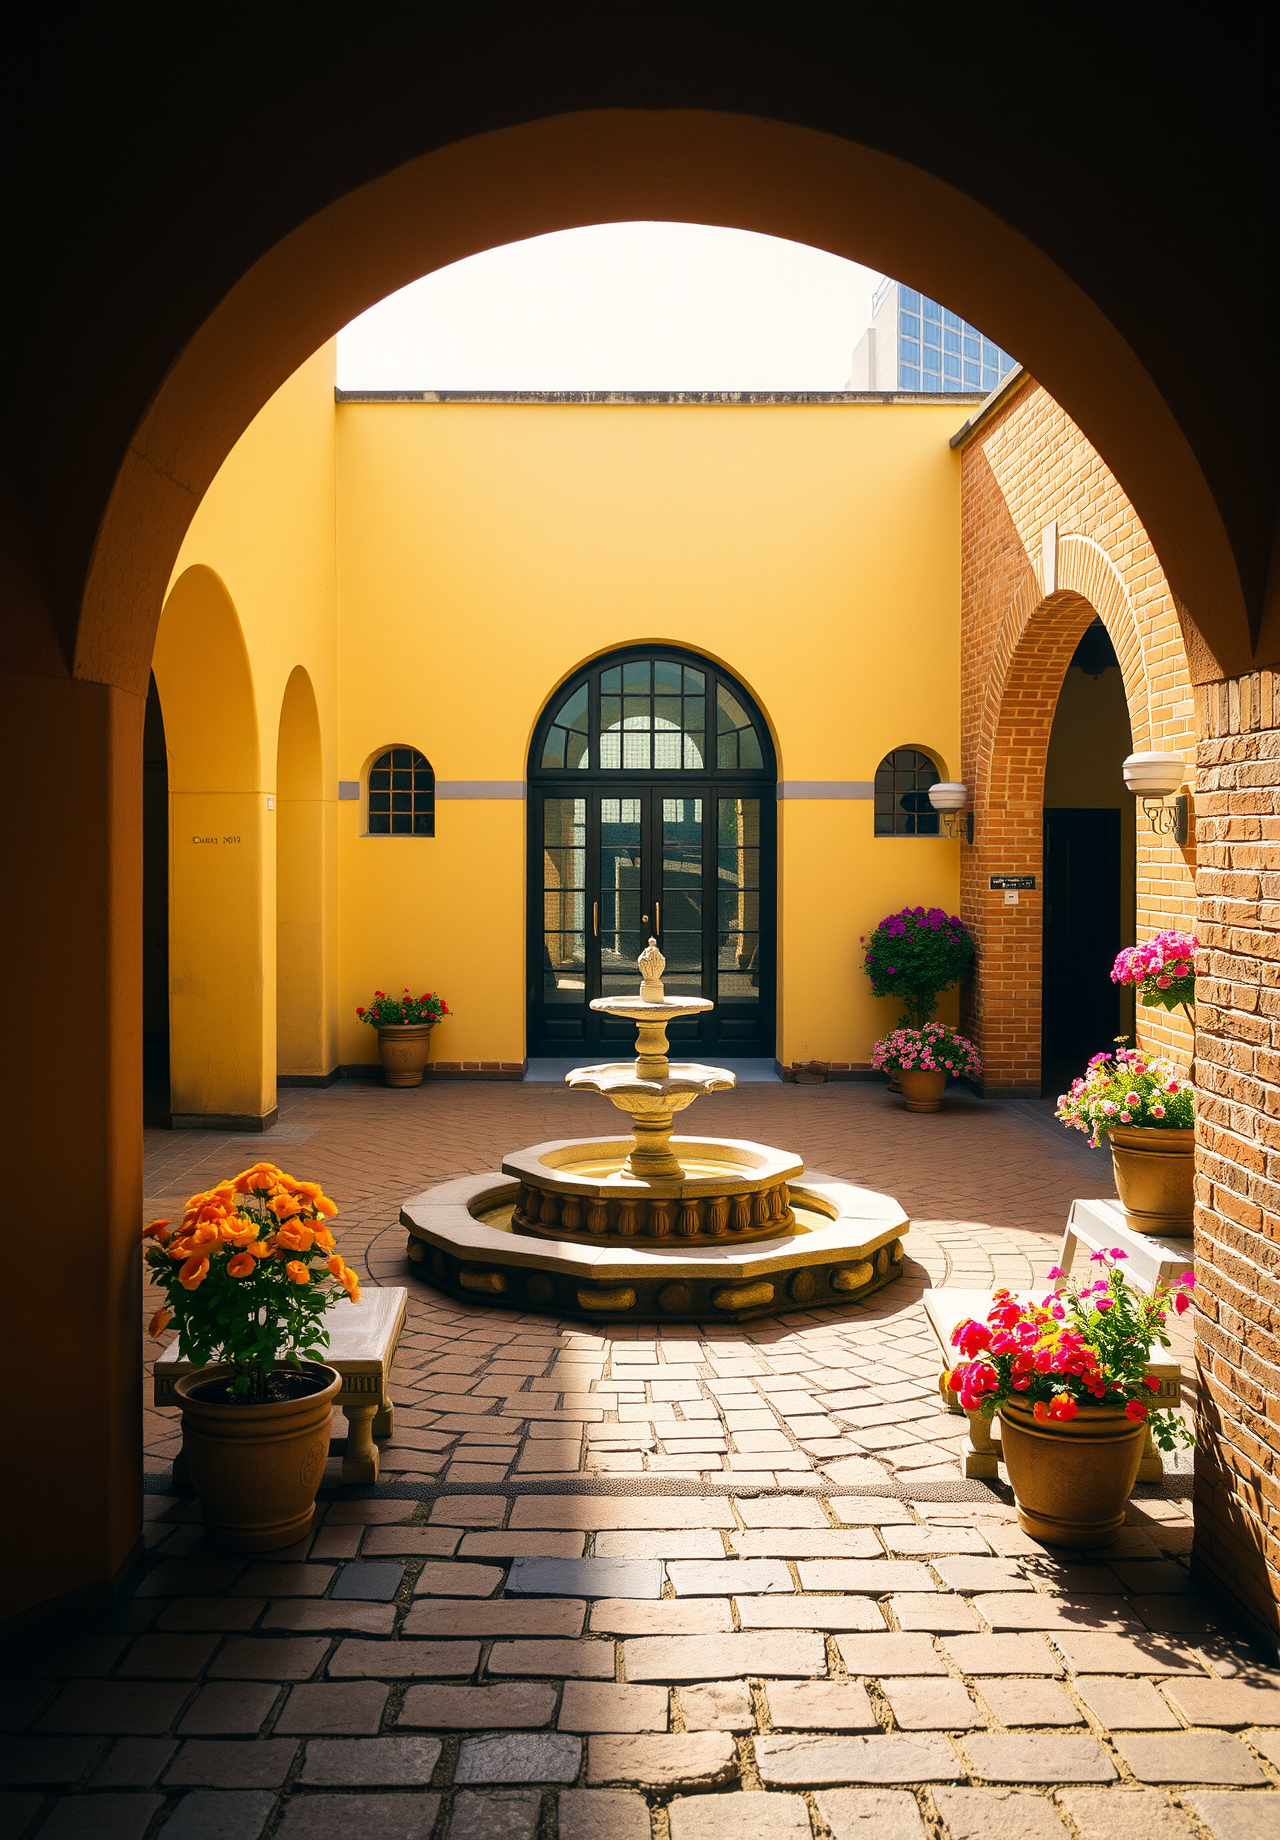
(652, 715)
(564, 895)
(738, 901)
(622, 935)
(682, 897)
(737, 744)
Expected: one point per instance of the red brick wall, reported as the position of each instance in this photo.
(1027, 466)
(1237, 1537)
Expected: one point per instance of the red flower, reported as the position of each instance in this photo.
(1149, 1380)
(971, 1338)
(1064, 1406)
(1182, 1303)
(1135, 1409)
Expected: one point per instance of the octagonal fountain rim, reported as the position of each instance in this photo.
(859, 1221)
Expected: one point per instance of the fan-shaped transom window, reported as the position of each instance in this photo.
(653, 714)
(903, 779)
(402, 795)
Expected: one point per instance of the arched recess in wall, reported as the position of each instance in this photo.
(222, 878)
(1037, 639)
(303, 1051)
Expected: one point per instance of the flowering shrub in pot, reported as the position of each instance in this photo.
(1068, 1378)
(916, 954)
(924, 1060)
(404, 1026)
(1144, 1106)
(247, 1278)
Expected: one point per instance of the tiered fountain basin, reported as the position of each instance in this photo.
(844, 1243)
(654, 1227)
(725, 1191)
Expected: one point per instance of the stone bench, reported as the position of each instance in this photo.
(945, 1310)
(1093, 1225)
(362, 1344)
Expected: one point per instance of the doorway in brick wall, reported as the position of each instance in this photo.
(1089, 865)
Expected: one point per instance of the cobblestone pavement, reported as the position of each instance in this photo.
(658, 1586)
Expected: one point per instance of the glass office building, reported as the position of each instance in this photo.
(913, 343)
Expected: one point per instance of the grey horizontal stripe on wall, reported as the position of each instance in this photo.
(479, 788)
(826, 788)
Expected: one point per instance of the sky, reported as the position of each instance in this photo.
(641, 306)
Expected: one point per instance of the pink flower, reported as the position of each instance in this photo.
(1157, 1111)
(1056, 1271)
(1105, 1303)
(1163, 982)
(1125, 1118)
(1118, 1252)
(971, 1338)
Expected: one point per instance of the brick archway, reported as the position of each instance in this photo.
(1006, 765)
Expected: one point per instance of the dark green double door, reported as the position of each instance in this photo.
(693, 867)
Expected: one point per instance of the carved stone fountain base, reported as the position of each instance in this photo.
(845, 1244)
(723, 1190)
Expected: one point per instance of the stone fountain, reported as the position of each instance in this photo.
(654, 1227)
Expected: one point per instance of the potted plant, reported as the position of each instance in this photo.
(404, 1026)
(1164, 971)
(1145, 1107)
(1068, 1378)
(924, 1060)
(247, 1278)
(916, 954)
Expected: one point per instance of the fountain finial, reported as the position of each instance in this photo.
(652, 965)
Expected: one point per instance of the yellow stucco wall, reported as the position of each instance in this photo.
(265, 530)
(486, 550)
(437, 570)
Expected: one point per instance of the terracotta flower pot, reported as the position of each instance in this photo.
(256, 1468)
(922, 1089)
(1071, 1477)
(1155, 1178)
(405, 1049)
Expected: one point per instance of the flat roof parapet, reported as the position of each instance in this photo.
(716, 399)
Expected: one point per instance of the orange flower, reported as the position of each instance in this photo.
(240, 1266)
(336, 1266)
(157, 1230)
(350, 1283)
(1040, 1411)
(296, 1272)
(259, 1249)
(324, 1239)
(313, 1192)
(159, 1323)
(193, 1273)
(285, 1206)
(295, 1236)
(261, 1176)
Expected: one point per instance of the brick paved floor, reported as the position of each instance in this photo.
(657, 1585)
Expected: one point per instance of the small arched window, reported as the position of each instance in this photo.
(402, 794)
(903, 779)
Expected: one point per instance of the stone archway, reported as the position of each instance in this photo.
(110, 511)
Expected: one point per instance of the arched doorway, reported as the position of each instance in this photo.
(303, 1048)
(652, 802)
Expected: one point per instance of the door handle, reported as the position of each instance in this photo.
(657, 916)
(595, 919)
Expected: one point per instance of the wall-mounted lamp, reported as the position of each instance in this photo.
(949, 798)
(1152, 777)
